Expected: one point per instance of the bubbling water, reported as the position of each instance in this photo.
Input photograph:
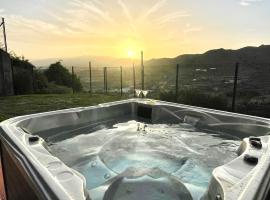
(179, 150)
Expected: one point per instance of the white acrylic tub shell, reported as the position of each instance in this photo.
(234, 180)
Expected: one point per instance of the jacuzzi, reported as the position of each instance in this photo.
(136, 149)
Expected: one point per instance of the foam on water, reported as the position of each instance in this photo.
(180, 151)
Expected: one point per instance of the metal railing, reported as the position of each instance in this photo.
(236, 83)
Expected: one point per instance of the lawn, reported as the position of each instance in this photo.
(27, 104)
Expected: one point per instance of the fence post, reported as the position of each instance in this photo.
(90, 77)
(104, 74)
(72, 79)
(142, 70)
(33, 80)
(106, 80)
(13, 77)
(177, 82)
(134, 81)
(121, 80)
(4, 33)
(235, 86)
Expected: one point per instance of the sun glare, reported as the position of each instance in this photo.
(130, 53)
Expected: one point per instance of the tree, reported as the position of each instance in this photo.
(22, 74)
(40, 81)
(58, 74)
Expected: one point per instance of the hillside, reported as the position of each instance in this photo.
(211, 71)
(82, 61)
(259, 54)
(214, 69)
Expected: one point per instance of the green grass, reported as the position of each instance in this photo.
(28, 104)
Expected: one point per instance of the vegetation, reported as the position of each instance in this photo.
(59, 75)
(22, 74)
(54, 80)
(206, 80)
(19, 60)
(23, 82)
(196, 98)
(41, 82)
(28, 104)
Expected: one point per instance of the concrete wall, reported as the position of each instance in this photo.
(6, 80)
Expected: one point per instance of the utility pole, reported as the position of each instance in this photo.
(4, 32)
(235, 86)
(90, 77)
(142, 70)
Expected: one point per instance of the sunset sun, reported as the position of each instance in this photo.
(130, 53)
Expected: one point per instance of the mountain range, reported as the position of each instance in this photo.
(259, 54)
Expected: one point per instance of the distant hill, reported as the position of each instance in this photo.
(213, 69)
(82, 61)
(259, 54)
(214, 66)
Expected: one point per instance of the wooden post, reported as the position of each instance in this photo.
(177, 82)
(72, 79)
(142, 70)
(90, 77)
(235, 86)
(121, 80)
(134, 81)
(4, 33)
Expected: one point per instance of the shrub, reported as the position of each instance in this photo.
(196, 98)
(58, 74)
(40, 81)
(55, 89)
(23, 82)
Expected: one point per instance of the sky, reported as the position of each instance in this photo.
(40, 29)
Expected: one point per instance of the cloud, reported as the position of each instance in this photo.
(98, 2)
(125, 9)
(131, 25)
(2, 10)
(190, 29)
(153, 9)
(16, 22)
(248, 2)
(82, 17)
(172, 16)
(92, 7)
(96, 24)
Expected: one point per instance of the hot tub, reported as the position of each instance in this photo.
(136, 149)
